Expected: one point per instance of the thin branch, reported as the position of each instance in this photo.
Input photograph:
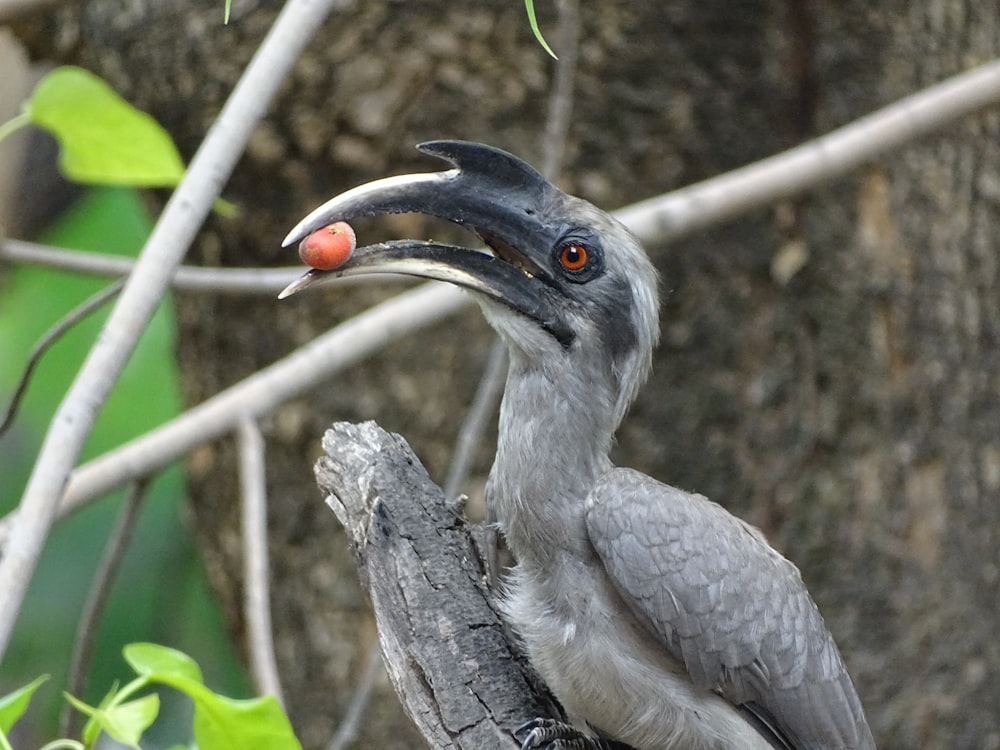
(256, 566)
(348, 729)
(71, 318)
(173, 233)
(557, 124)
(104, 578)
(721, 198)
(261, 393)
(186, 278)
(655, 220)
(560, 111)
(483, 405)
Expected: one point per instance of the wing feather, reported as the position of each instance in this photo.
(725, 603)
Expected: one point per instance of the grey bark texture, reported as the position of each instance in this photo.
(448, 653)
(829, 368)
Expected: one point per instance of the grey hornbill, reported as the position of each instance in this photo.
(658, 619)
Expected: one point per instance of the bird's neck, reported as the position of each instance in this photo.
(554, 434)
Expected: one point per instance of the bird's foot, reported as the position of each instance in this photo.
(549, 734)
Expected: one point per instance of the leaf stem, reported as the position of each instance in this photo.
(63, 743)
(14, 124)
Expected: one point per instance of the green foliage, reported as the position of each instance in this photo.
(149, 660)
(220, 723)
(111, 220)
(161, 556)
(529, 5)
(13, 705)
(102, 138)
(122, 720)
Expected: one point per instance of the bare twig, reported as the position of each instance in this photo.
(104, 578)
(347, 344)
(71, 318)
(483, 405)
(186, 278)
(181, 218)
(256, 567)
(348, 729)
(721, 198)
(560, 110)
(553, 151)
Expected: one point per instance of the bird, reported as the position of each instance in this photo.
(658, 619)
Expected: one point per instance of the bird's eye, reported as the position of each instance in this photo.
(578, 257)
(573, 257)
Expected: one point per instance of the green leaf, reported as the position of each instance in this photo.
(127, 722)
(220, 723)
(13, 705)
(124, 722)
(93, 726)
(102, 138)
(155, 661)
(529, 5)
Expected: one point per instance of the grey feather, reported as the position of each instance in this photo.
(732, 609)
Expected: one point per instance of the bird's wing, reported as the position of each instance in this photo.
(727, 605)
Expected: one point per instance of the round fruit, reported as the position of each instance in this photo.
(329, 247)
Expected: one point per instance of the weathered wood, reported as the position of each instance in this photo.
(460, 677)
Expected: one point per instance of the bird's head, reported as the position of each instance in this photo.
(564, 283)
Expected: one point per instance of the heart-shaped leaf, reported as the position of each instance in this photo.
(102, 138)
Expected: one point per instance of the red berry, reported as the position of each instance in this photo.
(328, 247)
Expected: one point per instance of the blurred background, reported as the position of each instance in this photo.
(161, 594)
(828, 370)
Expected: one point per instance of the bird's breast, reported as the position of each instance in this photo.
(608, 671)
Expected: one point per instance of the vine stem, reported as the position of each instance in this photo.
(14, 124)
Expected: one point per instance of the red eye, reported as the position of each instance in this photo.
(573, 257)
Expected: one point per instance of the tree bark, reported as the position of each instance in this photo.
(461, 679)
(828, 368)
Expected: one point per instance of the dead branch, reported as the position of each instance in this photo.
(460, 677)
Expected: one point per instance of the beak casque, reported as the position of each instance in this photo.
(489, 191)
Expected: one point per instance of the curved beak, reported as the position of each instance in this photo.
(489, 191)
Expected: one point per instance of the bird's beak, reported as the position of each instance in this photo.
(489, 191)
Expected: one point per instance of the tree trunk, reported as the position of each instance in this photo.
(828, 368)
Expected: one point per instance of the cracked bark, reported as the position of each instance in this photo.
(449, 656)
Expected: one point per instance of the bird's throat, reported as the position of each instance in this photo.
(551, 450)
